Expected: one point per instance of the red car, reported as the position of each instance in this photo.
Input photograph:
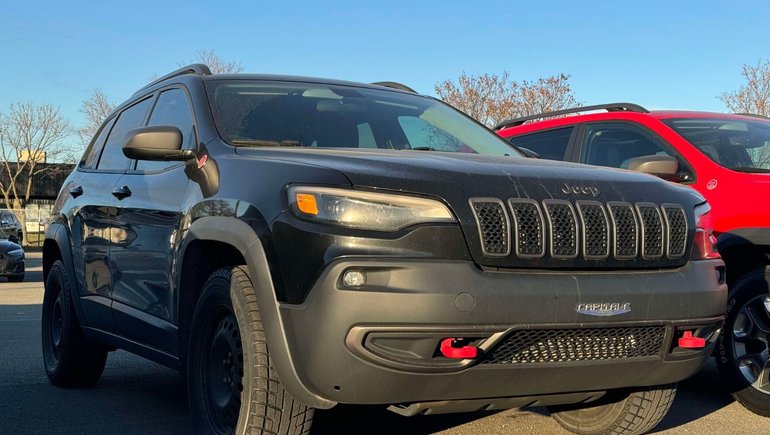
(724, 157)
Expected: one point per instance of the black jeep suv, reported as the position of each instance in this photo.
(293, 243)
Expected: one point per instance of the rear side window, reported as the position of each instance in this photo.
(131, 118)
(172, 108)
(91, 155)
(551, 144)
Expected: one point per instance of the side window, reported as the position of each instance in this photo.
(421, 134)
(551, 144)
(131, 118)
(91, 156)
(172, 108)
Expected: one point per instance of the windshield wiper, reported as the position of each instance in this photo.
(267, 143)
(751, 170)
(423, 149)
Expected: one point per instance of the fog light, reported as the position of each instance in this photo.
(354, 278)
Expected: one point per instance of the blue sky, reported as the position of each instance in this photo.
(661, 54)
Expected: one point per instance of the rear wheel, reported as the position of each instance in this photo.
(617, 413)
(232, 385)
(70, 359)
(744, 347)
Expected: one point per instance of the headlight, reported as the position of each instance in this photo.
(16, 253)
(365, 210)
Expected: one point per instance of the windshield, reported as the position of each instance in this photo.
(257, 113)
(740, 145)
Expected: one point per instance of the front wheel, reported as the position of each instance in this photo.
(70, 360)
(627, 413)
(232, 385)
(743, 356)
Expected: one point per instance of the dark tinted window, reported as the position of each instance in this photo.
(615, 144)
(131, 118)
(551, 144)
(172, 108)
(91, 155)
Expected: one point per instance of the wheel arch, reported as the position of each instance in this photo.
(744, 250)
(56, 246)
(228, 240)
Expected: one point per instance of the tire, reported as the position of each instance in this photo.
(232, 385)
(16, 278)
(742, 349)
(618, 413)
(70, 360)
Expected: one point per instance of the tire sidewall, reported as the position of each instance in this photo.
(55, 285)
(218, 293)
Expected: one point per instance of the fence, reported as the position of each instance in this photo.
(34, 219)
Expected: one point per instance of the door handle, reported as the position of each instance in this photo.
(76, 191)
(121, 192)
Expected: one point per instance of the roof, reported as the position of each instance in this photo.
(619, 115)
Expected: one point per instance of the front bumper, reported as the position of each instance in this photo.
(376, 344)
(10, 266)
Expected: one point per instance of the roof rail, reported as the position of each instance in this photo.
(196, 68)
(612, 107)
(395, 85)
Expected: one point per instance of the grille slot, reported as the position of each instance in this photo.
(494, 229)
(596, 229)
(563, 225)
(625, 230)
(529, 228)
(676, 224)
(538, 346)
(652, 230)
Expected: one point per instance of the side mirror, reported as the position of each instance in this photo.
(13, 239)
(665, 167)
(158, 142)
(529, 153)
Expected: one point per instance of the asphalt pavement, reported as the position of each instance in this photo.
(136, 396)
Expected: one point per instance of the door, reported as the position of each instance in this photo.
(148, 219)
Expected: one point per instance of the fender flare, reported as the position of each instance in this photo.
(242, 237)
(59, 233)
(744, 237)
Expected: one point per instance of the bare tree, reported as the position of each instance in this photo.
(491, 98)
(216, 64)
(96, 109)
(29, 135)
(754, 95)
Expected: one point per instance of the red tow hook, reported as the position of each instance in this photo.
(453, 348)
(687, 341)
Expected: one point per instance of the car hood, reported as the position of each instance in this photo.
(459, 176)
(8, 246)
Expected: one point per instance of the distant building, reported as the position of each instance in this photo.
(45, 187)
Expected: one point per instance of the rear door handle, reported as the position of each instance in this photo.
(121, 192)
(76, 191)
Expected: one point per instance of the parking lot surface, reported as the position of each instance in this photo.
(136, 396)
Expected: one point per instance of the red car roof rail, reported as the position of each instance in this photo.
(611, 107)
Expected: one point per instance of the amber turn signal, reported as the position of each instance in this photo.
(306, 203)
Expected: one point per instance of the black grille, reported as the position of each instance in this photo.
(676, 221)
(596, 230)
(536, 346)
(493, 226)
(652, 230)
(563, 225)
(529, 231)
(3, 262)
(625, 230)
